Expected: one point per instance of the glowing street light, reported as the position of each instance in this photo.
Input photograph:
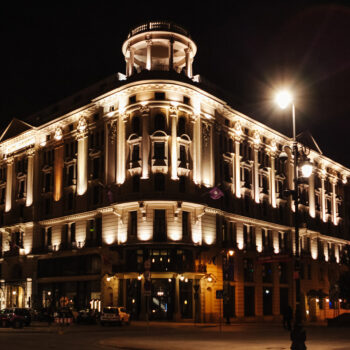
(283, 99)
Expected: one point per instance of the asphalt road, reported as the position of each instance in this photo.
(171, 336)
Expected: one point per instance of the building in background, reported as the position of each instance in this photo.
(149, 189)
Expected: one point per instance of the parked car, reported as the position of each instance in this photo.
(110, 315)
(87, 316)
(16, 317)
(339, 321)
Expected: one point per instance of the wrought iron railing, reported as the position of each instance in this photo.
(158, 25)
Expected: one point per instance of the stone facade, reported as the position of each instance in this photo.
(150, 171)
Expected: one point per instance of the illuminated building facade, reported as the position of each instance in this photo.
(151, 171)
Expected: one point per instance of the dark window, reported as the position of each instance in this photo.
(159, 182)
(49, 236)
(47, 182)
(135, 153)
(185, 224)
(159, 96)
(136, 183)
(2, 195)
(132, 99)
(186, 298)
(267, 273)
(159, 229)
(181, 127)
(248, 267)
(96, 168)
(96, 195)
(186, 100)
(70, 201)
(248, 237)
(283, 272)
(72, 232)
(136, 125)
(249, 301)
(267, 301)
(159, 122)
(133, 223)
(183, 157)
(21, 188)
(182, 184)
(70, 175)
(96, 116)
(47, 206)
(227, 176)
(159, 150)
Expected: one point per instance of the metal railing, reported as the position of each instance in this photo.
(158, 25)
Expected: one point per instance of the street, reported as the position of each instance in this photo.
(170, 336)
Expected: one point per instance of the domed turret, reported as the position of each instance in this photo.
(159, 46)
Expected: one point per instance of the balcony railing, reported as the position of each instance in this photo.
(158, 25)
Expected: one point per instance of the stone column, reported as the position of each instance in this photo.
(256, 175)
(121, 164)
(58, 166)
(237, 168)
(9, 184)
(312, 208)
(131, 61)
(82, 163)
(239, 235)
(174, 158)
(272, 181)
(145, 112)
(334, 201)
(28, 299)
(233, 174)
(149, 55)
(196, 149)
(177, 299)
(188, 62)
(30, 174)
(323, 199)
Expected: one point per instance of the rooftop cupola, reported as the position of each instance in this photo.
(159, 46)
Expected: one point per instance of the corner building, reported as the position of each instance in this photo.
(148, 189)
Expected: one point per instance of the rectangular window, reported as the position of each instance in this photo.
(159, 227)
(49, 236)
(96, 168)
(267, 273)
(72, 232)
(159, 150)
(132, 99)
(133, 223)
(159, 96)
(248, 268)
(135, 153)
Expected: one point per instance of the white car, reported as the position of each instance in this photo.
(110, 315)
(114, 315)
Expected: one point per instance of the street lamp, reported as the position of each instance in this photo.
(284, 99)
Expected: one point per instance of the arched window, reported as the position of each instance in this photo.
(135, 124)
(181, 128)
(159, 122)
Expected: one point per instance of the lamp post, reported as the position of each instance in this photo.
(298, 335)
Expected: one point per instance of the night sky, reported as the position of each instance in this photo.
(249, 49)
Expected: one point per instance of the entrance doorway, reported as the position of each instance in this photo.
(162, 299)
